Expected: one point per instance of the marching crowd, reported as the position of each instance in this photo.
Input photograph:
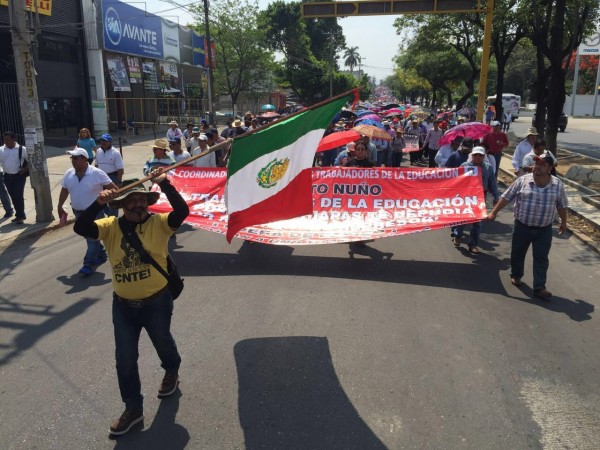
(141, 297)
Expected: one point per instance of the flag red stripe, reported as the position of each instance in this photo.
(293, 201)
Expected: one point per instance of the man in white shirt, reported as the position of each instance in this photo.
(177, 153)
(445, 151)
(109, 160)
(173, 131)
(84, 182)
(523, 147)
(209, 160)
(14, 174)
(4, 197)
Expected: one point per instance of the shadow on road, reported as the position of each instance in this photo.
(291, 398)
(164, 433)
(577, 310)
(29, 334)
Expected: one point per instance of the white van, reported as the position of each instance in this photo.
(510, 102)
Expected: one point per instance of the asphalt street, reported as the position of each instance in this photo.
(408, 343)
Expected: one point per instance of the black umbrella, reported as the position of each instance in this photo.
(389, 106)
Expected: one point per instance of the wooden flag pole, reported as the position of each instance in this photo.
(212, 149)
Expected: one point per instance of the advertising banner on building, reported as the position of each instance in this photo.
(186, 53)
(170, 33)
(198, 49)
(135, 73)
(150, 77)
(169, 81)
(118, 73)
(42, 6)
(349, 204)
(130, 30)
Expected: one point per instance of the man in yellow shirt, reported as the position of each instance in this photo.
(141, 297)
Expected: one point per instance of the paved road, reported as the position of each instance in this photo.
(409, 343)
(581, 136)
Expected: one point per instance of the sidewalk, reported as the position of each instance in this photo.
(137, 151)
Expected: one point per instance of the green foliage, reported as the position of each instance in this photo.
(242, 64)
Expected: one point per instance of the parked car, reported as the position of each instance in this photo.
(563, 120)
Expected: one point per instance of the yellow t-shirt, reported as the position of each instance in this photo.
(131, 278)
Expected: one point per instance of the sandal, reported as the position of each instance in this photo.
(542, 293)
(515, 281)
(473, 249)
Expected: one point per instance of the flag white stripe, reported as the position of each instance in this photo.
(244, 184)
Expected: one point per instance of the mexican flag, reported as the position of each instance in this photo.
(268, 176)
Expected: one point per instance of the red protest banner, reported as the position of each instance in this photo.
(349, 204)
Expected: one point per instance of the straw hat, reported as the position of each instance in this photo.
(531, 131)
(172, 122)
(161, 143)
(151, 196)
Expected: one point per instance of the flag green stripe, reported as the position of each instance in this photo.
(248, 148)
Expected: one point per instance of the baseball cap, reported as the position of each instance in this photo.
(78, 151)
(106, 137)
(175, 140)
(467, 143)
(544, 157)
(195, 130)
(203, 137)
(204, 122)
(495, 123)
(478, 151)
(209, 134)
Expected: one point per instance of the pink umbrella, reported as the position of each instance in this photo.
(337, 139)
(473, 130)
(389, 112)
(270, 115)
(372, 117)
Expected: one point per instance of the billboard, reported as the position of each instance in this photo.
(170, 33)
(590, 45)
(42, 6)
(130, 30)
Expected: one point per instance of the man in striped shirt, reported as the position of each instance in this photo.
(537, 196)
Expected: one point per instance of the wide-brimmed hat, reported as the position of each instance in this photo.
(172, 122)
(531, 131)
(237, 123)
(140, 189)
(161, 143)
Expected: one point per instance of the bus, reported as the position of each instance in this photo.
(510, 102)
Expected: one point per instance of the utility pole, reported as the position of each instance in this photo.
(360, 60)
(30, 110)
(331, 43)
(208, 49)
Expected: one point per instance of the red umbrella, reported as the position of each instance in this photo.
(394, 111)
(337, 139)
(473, 130)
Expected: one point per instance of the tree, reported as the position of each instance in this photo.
(352, 58)
(557, 28)
(308, 47)
(243, 64)
(508, 29)
(448, 31)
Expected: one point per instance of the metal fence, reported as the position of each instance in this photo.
(134, 114)
(10, 112)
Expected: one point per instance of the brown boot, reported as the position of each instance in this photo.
(124, 423)
(169, 383)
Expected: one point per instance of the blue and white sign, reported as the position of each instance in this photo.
(590, 45)
(131, 30)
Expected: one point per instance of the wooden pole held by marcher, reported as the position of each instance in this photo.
(212, 149)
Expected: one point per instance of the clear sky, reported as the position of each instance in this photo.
(375, 37)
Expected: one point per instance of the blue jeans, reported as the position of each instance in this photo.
(396, 159)
(383, 157)
(497, 157)
(4, 197)
(155, 318)
(95, 250)
(473, 235)
(15, 185)
(540, 238)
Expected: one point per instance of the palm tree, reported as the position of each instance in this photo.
(352, 57)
